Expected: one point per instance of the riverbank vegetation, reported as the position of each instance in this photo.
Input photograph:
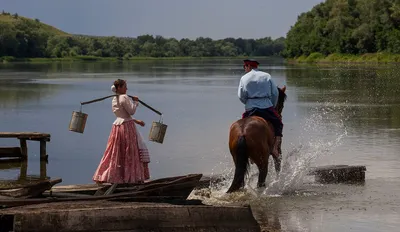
(346, 30)
(332, 31)
(23, 39)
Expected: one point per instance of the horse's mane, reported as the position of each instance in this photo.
(282, 96)
(281, 99)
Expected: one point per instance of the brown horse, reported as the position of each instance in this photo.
(253, 138)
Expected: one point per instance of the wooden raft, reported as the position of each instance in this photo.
(175, 189)
(21, 152)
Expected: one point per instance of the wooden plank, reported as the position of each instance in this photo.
(26, 135)
(332, 168)
(29, 182)
(79, 188)
(31, 190)
(339, 174)
(111, 189)
(92, 188)
(10, 152)
(62, 194)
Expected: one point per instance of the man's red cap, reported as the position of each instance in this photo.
(252, 63)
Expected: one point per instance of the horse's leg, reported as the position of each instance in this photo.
(263, 171)
(278, 159)
(241, 160)
(277, 162)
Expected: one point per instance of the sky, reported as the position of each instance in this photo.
(216, 19)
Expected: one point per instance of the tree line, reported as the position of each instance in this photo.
(346, 27)
(26, 38)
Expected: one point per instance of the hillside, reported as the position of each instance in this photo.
(346, 27)
(21, 38)
(14, 20)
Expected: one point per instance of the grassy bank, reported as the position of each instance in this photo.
(8, 59)
(347, 58)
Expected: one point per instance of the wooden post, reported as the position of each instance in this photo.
(24, 149)
(43, 154)
(43, 160)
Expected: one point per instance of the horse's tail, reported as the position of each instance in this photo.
(241, 165)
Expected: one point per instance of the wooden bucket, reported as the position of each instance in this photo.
(157, 132)
(78, 122)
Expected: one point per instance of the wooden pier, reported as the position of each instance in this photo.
(21, 152)
(13, 157)
(157, 205)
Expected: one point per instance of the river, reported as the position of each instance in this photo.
(334, 114)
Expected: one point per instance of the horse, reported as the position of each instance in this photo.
(252, 138)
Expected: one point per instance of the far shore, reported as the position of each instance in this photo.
(314, 58)
(115, 59)
(347, 58)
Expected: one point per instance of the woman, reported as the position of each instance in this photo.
(126, 157)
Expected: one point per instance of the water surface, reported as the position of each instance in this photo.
(335, 114)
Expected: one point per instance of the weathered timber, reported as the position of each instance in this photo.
(43, 152)
(87, 189)
(339, 174)
(180, 187)
(188, 179)
(161, 191)
(22, 151)
(125, 216)
(30, 190)
(29, 181)
(10, 152)
(95, 189)
(26, 135)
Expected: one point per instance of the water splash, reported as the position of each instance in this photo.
(322, 131)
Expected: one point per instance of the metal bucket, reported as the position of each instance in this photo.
(157, 132)
(78, 122)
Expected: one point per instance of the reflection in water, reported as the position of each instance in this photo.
(366, 94)
(17, 92)
(22, 168)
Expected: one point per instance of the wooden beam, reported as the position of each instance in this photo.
(26, 135)
(40, 139)
(31, 190)
(10, 152)
(339, 174)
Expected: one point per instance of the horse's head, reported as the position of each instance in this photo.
(281, 100)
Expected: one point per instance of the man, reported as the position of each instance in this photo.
(259, 93)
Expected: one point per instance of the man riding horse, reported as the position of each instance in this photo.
(258, 92)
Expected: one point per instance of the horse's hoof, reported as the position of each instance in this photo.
(262, 185)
